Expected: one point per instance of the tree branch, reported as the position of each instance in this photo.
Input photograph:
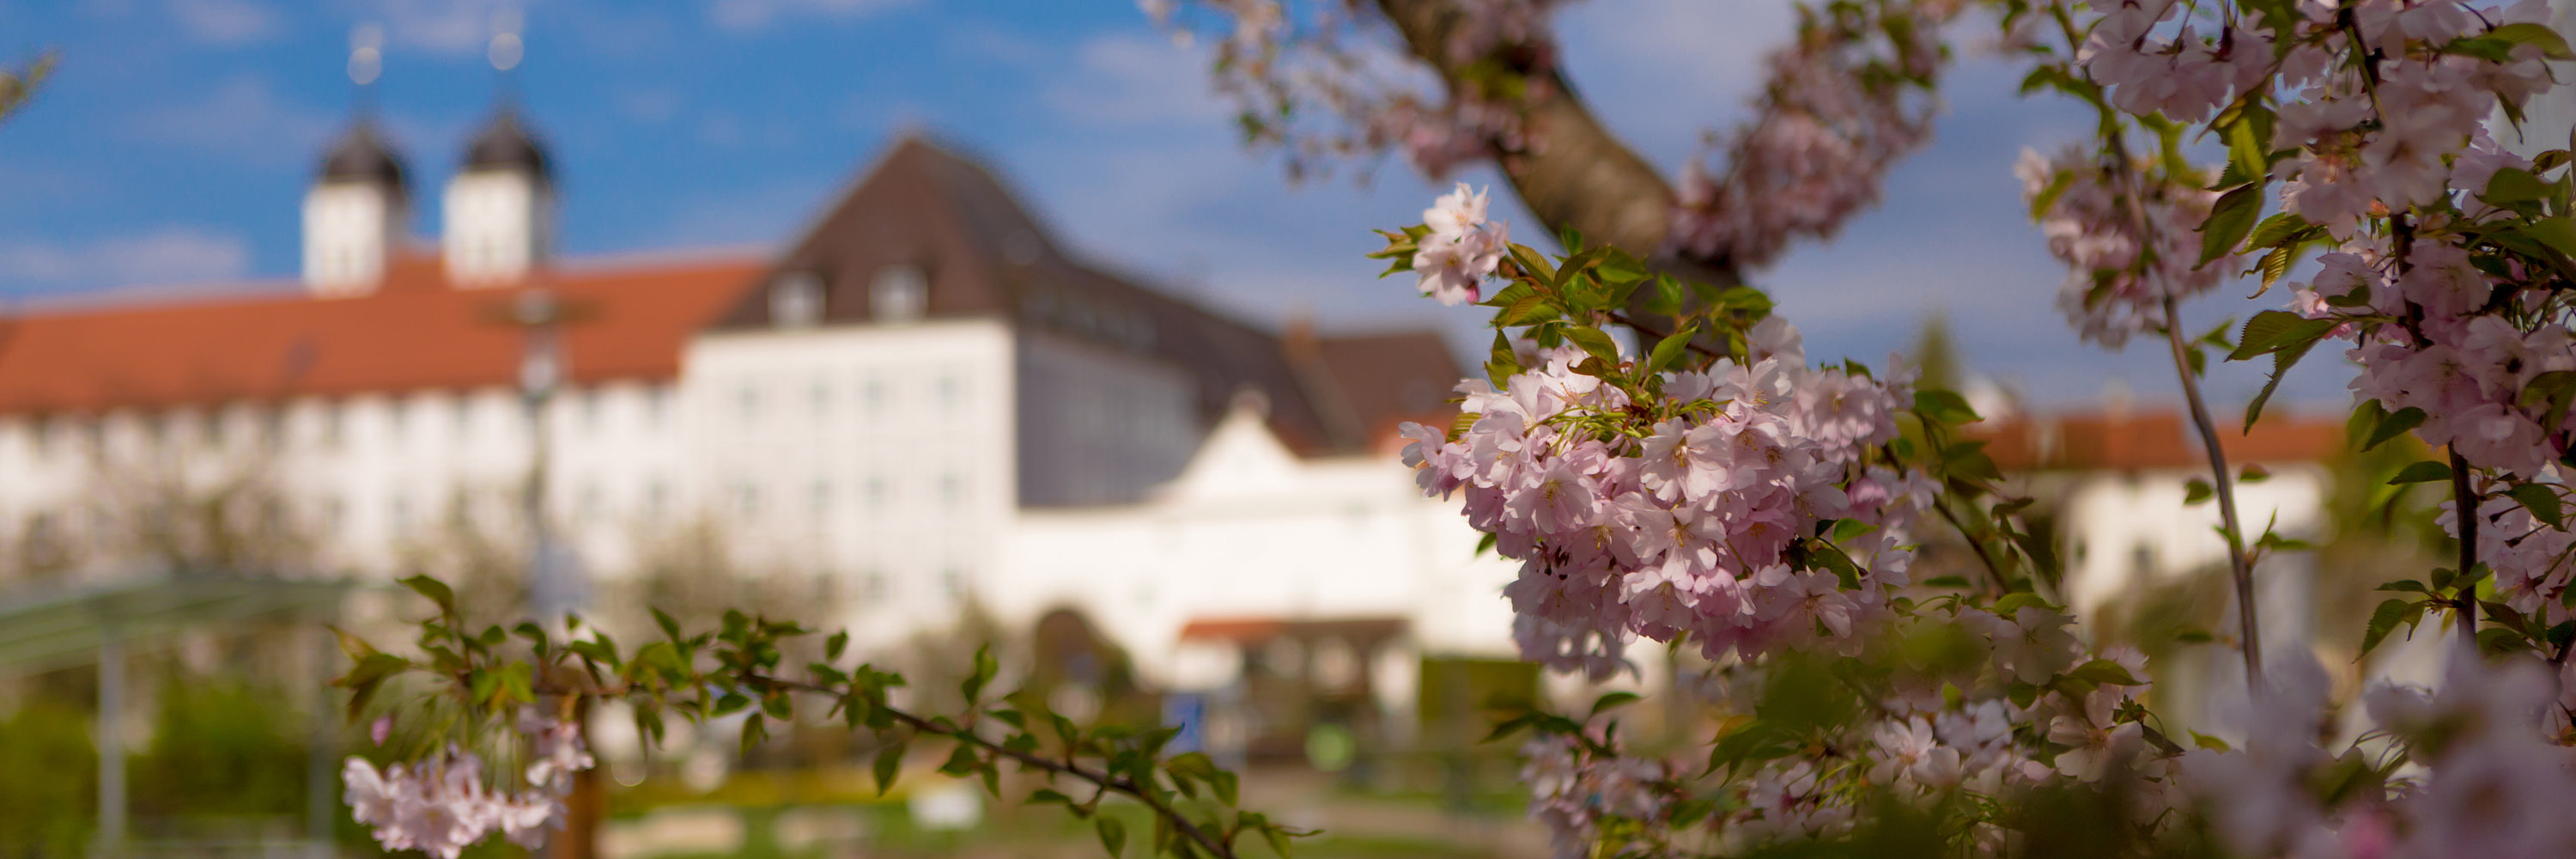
(1578, 175)
(2248, 627)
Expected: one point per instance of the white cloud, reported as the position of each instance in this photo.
(1130, 80)
(651, 106)
(225, 22)
(242, 117)
(167, 254)
(747, 15)
(442, 26)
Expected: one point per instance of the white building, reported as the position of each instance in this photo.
(922, 401)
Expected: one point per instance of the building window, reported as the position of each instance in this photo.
(746, 500)
(747, 401)
(879, 492)
(333, 416)
(875, 583)
(821, 397)
(796, 300)
(953, 580)
(593, 406)
(876, 396)
(657, 500)
(657, 405)
(952, 488)
(899, 294)
(822, 498)
(952, 390)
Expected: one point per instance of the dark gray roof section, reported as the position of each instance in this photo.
(362, 155)
(506, 144)
(925, 205)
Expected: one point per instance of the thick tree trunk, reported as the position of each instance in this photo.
(1574, 172)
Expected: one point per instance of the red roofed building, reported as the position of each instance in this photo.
(873, 408)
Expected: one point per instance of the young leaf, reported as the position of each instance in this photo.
(2229, 220)
(2397, 423)
(1945, 406)
(1113, 835)
(2422, 472)
(2383, 620)
(2196, 491)
(2543, 502)
(889, 762)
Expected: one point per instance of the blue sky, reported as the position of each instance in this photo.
(177, 139)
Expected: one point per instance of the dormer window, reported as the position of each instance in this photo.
(796, 300)
(898, 294)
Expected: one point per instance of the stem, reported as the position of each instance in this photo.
(2464, 507)
(1649, 331)
(1994, 574)
(2248, 627)
(966, 734)
(1067, 767)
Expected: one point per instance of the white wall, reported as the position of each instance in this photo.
(1250, 530)
(879, 455)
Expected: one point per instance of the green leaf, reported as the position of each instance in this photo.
(1593, 341)
(1612, 701)
(2551, 44)
(669, 627)
(2196, 491)
(437, 592)
(2426, 471)
(1113, 835)
(2208, 742)
(2559, 234)
(2511, 185)
(2253, 473)
(2551, 393)
(2230, 220)
(754, 729)
(2395, 424)
(2383, 620)
(985, 668)
(2279, 229)
(833, 646)
(889, 762)
(2274, 330)
(2543, 502)
(1945, 406)
(1670, 349)
(2106, 672)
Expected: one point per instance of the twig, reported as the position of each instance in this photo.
(2464, 508)
(2248, 627)
(1692, 344)
(1994, 573)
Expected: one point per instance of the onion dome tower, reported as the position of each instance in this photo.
(499, 209)
(356, 211)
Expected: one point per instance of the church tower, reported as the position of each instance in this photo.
(499, 209)
(356, 213)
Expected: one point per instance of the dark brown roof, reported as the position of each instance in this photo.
(415, 332)
(2149, 440)
(924, 205)
(362, 155)
(1394, 377)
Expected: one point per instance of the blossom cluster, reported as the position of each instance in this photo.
(1572, 789)
(1840, 105)
(2129, 241)
(440, 805)
(1462, 249)
(1691, 525)
(2491, 783)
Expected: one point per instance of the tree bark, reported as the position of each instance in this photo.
(1574, 173)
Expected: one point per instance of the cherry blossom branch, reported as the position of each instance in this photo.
(2464, 504)
(1994, 572)
(2242, 569)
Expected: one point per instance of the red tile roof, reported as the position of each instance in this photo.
(2157, 439)
(413, 333)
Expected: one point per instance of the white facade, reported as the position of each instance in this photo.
(1251, 530)
(349, 230)
(499, 223)
(878, 456)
